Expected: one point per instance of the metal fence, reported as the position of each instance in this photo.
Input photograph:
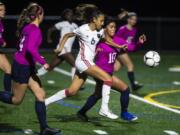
(162, 33)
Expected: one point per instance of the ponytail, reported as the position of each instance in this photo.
(27, 16)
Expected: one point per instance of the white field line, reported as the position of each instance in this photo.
(131, 95)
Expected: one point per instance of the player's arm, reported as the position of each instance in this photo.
(110, 42)
(49, 33)
(122, 14)
(63, 41)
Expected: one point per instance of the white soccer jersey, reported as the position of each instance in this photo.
(88, 41)
(66, 27)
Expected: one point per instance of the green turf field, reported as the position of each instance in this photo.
(152, 120)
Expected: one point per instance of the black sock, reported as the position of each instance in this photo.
(131, 78)
(7, 82)
(92, 100)
(41, 114)
(124, 100)
(6, 97)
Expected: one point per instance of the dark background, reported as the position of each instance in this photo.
(145, 8)
(159, 20)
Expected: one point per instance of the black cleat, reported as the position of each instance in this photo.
(50, 131)
(137, 86)
(82, 117)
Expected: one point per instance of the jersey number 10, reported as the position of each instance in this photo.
(112, 58)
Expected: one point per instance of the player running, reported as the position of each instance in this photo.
(5, 66)
(128, 33)
(64, 27)
(89, 35)
(105, 59)
(23, 69)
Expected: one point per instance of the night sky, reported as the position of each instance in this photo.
(144, 8)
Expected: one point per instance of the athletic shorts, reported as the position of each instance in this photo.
(83, 64)
(22, 73)
(66, 49)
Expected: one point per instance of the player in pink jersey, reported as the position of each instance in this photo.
(5, 66)
(105, 59)
(23, 68)
(127, 34)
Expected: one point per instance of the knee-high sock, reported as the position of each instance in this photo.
(56, 97)
(92, 100)
(6, 97)
(124, 100)
(73, 70)
(131, 78)
(7, 82)
(106, 95)
(41, 71)
(41, 114)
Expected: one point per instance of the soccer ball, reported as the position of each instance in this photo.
(152, 59)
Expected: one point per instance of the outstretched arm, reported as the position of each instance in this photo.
(63, 41)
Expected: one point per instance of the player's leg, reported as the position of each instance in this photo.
(91, 101)
(117, 66)
(69, 58)
(123, 88)
(6, 67)
(35, 85)
(76, 84)
(54, 62)
(16, 97)
(98, 73)
(126, 60)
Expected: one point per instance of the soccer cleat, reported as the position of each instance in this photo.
(136, 86)
(128, 116)
(82, 116)
(50, 131)
(108, 114)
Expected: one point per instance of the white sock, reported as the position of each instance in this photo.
(56, 97)
(73, 70)
(105, 97)
(41, 71)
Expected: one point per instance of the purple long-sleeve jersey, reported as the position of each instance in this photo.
(29, 43)
(1, 33)
(105, 57)
(128, 37)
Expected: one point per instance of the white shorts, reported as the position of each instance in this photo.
(66, 49)
(83, 64)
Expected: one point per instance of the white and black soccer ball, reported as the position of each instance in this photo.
(152, 59)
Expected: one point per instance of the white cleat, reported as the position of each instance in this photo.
(108, 114)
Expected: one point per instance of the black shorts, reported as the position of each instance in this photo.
(22, 73)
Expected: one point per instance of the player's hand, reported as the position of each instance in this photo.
(124, 47)
(4, 44)
(57, 51)
(46, 66)
(142, 39)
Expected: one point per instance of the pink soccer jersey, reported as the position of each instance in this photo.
(106, 56)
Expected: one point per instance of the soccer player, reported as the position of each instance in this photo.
(128, 33)
(105, 59)
(23, 69)
(4, 63)
(65, 26)
(89, 35)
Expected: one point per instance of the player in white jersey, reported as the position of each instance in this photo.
(89, 35)
(64, 27)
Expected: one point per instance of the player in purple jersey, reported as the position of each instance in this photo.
(105, 59)
(5, 66)
(23, 69)
(128, 33)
